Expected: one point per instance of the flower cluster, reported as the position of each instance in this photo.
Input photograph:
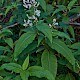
(28, 4)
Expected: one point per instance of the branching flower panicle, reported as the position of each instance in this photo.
(28, 4)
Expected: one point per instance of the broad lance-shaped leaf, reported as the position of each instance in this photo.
(40, 72)
(25, 64)
(62, 48)
(12, 67)
(49, 62)
(45, 29)
(23, 42)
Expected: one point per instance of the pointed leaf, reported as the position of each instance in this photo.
(75, 10)
(40, 39)
(23, 42)
(70, 5)
(40, 72)
(62, 48)
(45, 29)
(9, 41)
(49, 62)
(26, 63)
(12, 67)
(2, 48)
(76, 45)
(61, 34)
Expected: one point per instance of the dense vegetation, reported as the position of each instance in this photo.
(37, 40)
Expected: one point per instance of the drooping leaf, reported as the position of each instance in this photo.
(2, 48)
(5, 32)
(40, 72)
(49, 62)
(8, 8)
(75, 10)
(61, 48)
(43, 4)
(45, 29)
(9, 41)
(26, 63)
(61, 34)
(12, 67)
(76, 45)
(71, 3)
(60, 8)
(23, 42)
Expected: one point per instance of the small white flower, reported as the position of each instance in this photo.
(54, 20)
(33, 1)
(28, 23)
(56, 24)
(50, 25)
(37, 13)
(36, 4)
(31, 17)
(28, 6)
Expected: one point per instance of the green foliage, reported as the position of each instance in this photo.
(49, 62)
(23, 42)
(45, 48)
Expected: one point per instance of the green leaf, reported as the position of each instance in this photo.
(76, 45)
(62, 48)
(45, 29)
(23, 42)
(1, 78)
(49, 62)
(5, 32)
(40, 72)
(71, 30)
(2, 57)
(40, 38)
(8, 8)
(2, 48)
(12, 67)
(61, 34)
(9, 41)
(2, 1)
(7, 77)
(75, 10)
(70, 5)
(42, 4)
(26, 63)
(24, 75)
(60, 8)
